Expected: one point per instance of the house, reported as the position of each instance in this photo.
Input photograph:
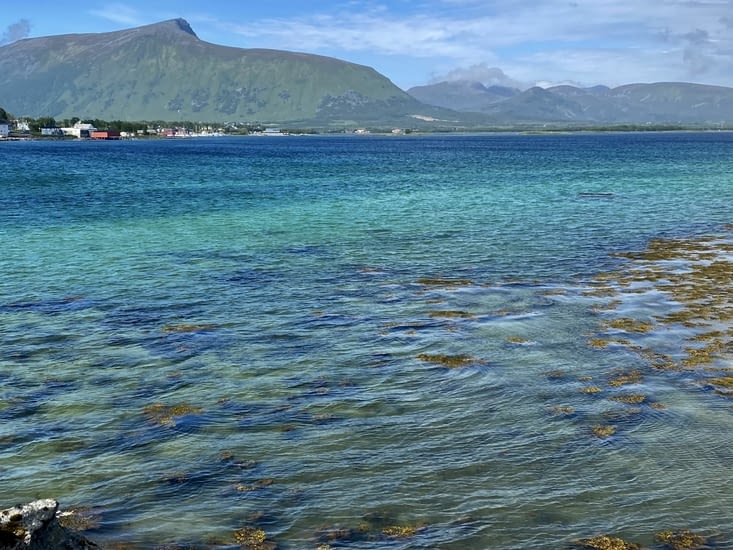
(80, 130)
(4, 128)
(54, 132)
(105, 134)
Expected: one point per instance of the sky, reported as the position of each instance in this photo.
(519, 43)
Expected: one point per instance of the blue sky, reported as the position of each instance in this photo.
(511, 42)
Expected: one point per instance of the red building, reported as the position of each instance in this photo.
(105, 134)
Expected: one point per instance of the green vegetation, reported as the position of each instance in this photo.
(164, 71)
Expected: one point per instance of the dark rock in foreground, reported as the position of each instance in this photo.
(34, 526)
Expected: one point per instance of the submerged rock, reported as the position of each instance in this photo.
(35, 526)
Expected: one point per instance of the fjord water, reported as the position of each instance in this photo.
(288, 295)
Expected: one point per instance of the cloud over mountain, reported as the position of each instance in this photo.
(16, 31)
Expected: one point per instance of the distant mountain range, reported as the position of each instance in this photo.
(165, 72)
(658, 103)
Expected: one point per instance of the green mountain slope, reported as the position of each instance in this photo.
(165, 72)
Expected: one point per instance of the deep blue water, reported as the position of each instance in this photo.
(286, 289)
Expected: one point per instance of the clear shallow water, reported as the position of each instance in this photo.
(281, 289)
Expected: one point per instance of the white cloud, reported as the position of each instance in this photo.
(119, 13)
(16, 31)
(556, 40)
(480, 72)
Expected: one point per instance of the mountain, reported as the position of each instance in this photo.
(661, 102)
(462, 95)
(165, 72)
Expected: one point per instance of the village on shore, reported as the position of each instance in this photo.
(26, 128)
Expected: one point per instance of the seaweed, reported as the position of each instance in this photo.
(518, 340)
(400, 531)
(252, 538)
(166, 415)
(630, 399)
(624, 378)
(185, 328)
(449, 361)
(562, 410)
(451, 314)
(681, 540)
(605, 542)
(627, 324)
(259, 484)
(603, 431)
(443, 281)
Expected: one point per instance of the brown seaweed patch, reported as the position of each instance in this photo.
(705, 336)
(724, 385)
(451, 314)
(600, 292)
(591, 389)
(585, 378)
(518, 340)
(603, 431)
(82, 518)
(665, 249)
(630, 399)
(165, 415)
(259, 484)
(624, 378)
(609, 306)
(704, 355)
(723, 381)
(657, 360)
(554, 292)
(562, 410)
(449, 361)
(682, 540)
(337, 533)
(624, 415)
(175, 478)
(605, 542)
(184, 328)
(598, 343)
(407, 325)
(443, 281)
(253, 538)
(629, 325)
(401, 531)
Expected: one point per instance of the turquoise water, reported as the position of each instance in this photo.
(285, 290)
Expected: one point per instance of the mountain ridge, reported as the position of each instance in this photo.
(164, 71)
(636, 103)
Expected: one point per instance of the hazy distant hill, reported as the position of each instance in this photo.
(663, 102)
(165, 72)
(462, 95)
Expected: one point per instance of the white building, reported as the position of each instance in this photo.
(4, 128)
(80, 129)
